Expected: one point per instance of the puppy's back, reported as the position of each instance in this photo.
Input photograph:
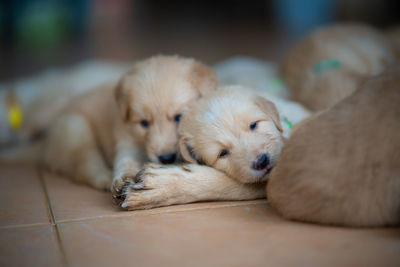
(343, 167)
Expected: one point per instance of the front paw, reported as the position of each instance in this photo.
(154, 186)
(118, 186)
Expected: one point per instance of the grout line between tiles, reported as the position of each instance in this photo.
(61, 246)
(52, 218)
(155, 212)
(47, 198)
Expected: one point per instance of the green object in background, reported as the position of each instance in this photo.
(287, 122)
(42, 24)
(277, 84)
(326, 64)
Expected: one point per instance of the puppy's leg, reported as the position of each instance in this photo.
(126, 165)
(71, 149)
(159, 185)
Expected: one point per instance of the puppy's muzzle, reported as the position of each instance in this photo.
(261, 162)
(167, 159)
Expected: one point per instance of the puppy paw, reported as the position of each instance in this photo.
(118, 186)
(154, 186)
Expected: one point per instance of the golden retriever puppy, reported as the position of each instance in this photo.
(327, 65)
(233, 136)
(105, 136)
(343, 166)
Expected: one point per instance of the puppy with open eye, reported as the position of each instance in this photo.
(104, 137)
(232, 137)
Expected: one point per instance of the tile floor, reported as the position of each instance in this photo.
(45, 220)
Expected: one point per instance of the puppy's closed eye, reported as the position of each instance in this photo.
(223, 153)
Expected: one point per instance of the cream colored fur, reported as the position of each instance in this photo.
(100, 138)
(42, 97)
(220, 121)
(252, 73)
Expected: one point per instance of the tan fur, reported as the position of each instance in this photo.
(221, 121)
(99, 138)
(164, 185)
(343, 166)
(361, 50)
(216, 122)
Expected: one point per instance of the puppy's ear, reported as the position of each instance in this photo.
(203, 78)
(269, 108)
(185, 152)
(122, 100)
(188, 152)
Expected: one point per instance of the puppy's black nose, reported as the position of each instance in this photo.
(167, 159)
(261, 162)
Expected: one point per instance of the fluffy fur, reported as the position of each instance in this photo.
(101, 139)
(222, 121)
(253, 73)
(354, 51)
(42, 97)
(234, 121)
(343, 166)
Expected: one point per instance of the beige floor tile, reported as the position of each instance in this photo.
(71, 201)
(22, 199)
(233, 236)
(29, 246)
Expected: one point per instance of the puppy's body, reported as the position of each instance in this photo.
(251, 73)
(82, 142)
(41, 98)
(343, 166)
(107, 134)
(235, 135)
(327, 66)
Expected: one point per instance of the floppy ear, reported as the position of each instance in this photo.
(185, 151)
(203, 78)
(188, 152)
(269, 108)
(122, 97)
(122, 101)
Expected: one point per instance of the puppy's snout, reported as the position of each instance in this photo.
(167, 159)
(261, 162)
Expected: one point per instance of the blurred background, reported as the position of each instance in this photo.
(39, 34)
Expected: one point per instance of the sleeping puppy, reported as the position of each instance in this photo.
(327, 65)
(343, 166)
(104, 137)
(232, 137)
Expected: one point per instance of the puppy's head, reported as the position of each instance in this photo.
(152, 96)
(234, 131)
